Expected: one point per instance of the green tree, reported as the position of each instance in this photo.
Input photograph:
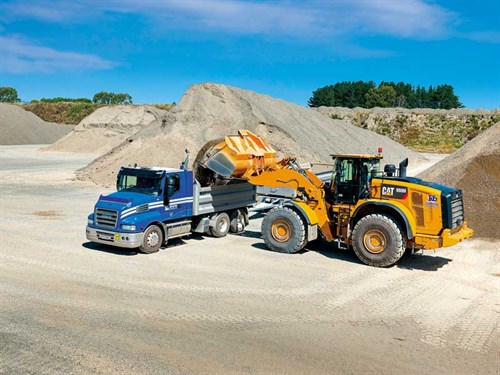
(342, 94)
(444, 97)
(323, 96)
(383, 96)
(8, 95)
(121, 98)
(104, 97)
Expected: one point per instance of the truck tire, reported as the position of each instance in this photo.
(152, 240)
(221, 226)
(237, 221)
(284, 230)
(377, 241)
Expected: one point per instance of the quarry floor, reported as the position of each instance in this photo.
(223, 306)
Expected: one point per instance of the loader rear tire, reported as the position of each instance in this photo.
(377, 241)
(284, 230)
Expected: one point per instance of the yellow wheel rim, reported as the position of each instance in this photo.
(281, 230)
(374, 241)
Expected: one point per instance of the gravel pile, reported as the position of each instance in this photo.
(20, 127)
(475, 168)
(210, 111)
(107, 127)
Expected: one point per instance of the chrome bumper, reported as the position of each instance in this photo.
(127, 240)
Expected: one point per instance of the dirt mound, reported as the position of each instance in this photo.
(107, 127)
(210, 111)
(20, 127)
(475, 169)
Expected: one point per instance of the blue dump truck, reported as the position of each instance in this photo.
(153, 205)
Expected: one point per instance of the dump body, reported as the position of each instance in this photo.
(172, 199)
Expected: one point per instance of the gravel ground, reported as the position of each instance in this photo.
(211, 306)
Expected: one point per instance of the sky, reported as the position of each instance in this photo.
(154, 50)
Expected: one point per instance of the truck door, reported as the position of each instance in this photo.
(177, 202)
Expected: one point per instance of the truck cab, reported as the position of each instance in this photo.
(152, 205)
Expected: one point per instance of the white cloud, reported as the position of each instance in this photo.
(400, 18)
(483, 36)
(18, 55)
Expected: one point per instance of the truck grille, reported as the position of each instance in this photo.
(457, 212)
(106, 218)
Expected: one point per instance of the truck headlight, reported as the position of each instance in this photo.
(90, 221)
(128, 227)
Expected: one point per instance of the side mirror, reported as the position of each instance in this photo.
(170, 186)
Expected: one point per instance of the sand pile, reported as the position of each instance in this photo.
(19, 127)
(107, 127)
(475, 168)
(210, 111)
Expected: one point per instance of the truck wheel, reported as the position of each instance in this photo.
(237, 221)
(221, 226)
(152, 240)
(378, 241)
(284, 230)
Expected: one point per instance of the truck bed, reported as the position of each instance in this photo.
(222, 198)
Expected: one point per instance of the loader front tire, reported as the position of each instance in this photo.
(377, 241)
(284, 230)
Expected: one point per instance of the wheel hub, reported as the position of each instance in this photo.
(223, 225)
(281, 230)
(153, 239)
(374, 241)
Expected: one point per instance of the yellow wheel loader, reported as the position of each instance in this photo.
(379, 214)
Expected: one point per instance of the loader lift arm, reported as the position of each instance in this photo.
(250, 157)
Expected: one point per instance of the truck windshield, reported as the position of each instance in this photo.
(150, 185)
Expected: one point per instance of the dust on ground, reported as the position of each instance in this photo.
(211, 306)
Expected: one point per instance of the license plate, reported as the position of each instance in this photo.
(105, 237)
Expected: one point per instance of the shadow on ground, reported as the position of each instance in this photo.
(409, 261)
(109, 249)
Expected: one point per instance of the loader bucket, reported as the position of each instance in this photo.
(239, 155)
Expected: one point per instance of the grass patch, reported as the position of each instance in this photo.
(70, 112)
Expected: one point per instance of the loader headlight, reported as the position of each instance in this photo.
(90, 221)
(128, 227)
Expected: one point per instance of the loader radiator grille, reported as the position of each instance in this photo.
(106, 218)
(453, 210)
(457, 212)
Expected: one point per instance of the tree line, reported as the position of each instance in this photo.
(352, 94)
(9, 95)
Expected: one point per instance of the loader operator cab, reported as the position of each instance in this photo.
(352, 176)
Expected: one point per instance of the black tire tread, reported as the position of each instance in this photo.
(215, 232)
(396, 234)
(273, 215)
(144, 249)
